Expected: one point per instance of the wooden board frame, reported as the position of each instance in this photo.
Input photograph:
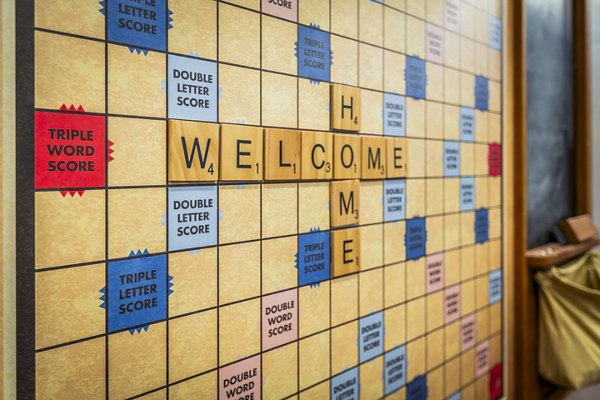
(514, 128)
(25, 257)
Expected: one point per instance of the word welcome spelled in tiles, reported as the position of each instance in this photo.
(201, 151)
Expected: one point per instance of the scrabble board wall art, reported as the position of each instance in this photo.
(276, 199)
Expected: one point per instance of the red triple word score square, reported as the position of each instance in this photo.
(496, 382)
(495, 159)
(70, 150)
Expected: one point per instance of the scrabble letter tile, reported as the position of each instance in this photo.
(282, 154)
(317, 155)
(241, 153)
(397, 157)
(345, 108)
(374, 156)
(193, 151)
(345, 245)
(346, 156)
(344, 200)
